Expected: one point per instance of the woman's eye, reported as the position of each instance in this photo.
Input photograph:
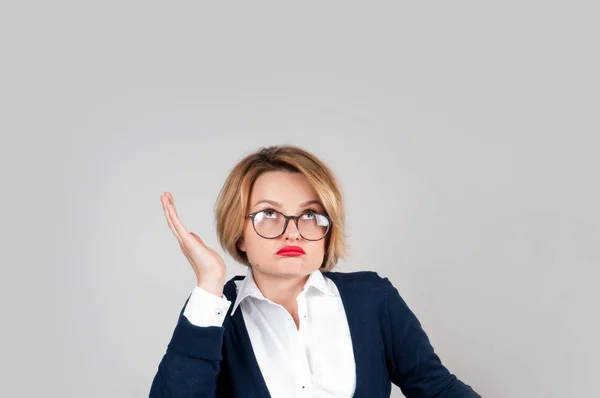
(309, 215)
(270, 213)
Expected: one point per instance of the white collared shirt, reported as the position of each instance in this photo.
(314, 360)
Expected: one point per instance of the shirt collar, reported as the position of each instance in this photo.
(247, 287)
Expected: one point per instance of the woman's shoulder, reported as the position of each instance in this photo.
(361, 280)
(356, 276)
(365, 290)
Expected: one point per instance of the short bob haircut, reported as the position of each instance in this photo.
(231, 207)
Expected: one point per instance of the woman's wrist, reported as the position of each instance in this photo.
(212, 285)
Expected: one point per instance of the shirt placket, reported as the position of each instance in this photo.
(304, 386)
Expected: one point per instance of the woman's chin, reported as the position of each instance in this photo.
(290, 266)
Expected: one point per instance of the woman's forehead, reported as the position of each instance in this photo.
(283, 188)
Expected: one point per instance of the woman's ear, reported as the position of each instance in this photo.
(241, 244)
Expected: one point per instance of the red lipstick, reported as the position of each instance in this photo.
(291, 251)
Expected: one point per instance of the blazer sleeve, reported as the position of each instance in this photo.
(190, 367)
(411, 361)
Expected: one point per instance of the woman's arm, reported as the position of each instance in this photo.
(412, 363)
(191, 365)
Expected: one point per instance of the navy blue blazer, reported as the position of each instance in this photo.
(388, 342)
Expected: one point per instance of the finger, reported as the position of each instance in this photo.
(179, 227)
(165, 204)
(174, 216)
(173, 203)
(170, 222)
(164, 201)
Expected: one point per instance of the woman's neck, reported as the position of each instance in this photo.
(280, 289)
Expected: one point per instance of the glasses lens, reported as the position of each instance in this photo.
(269, 223)
(313, 226)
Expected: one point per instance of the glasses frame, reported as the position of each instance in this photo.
(287, 220)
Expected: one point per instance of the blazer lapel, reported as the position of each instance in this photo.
(242, 346)
(352, 304)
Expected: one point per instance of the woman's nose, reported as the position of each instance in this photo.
(291, 231)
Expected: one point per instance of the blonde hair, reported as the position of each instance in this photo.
(232, 203)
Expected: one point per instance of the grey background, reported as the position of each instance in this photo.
(464, 134)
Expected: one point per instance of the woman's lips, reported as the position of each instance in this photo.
(291, 251)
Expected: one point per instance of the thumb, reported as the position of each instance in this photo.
(197, 238)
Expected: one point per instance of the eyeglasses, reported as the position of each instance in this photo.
(271, 224)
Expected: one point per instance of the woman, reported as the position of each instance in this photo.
(296, 328)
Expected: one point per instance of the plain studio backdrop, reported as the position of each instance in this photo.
(464, 135)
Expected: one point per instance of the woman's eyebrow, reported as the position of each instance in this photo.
(272, 202)
(311, 202)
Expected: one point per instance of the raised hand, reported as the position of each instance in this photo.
(208, 265)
